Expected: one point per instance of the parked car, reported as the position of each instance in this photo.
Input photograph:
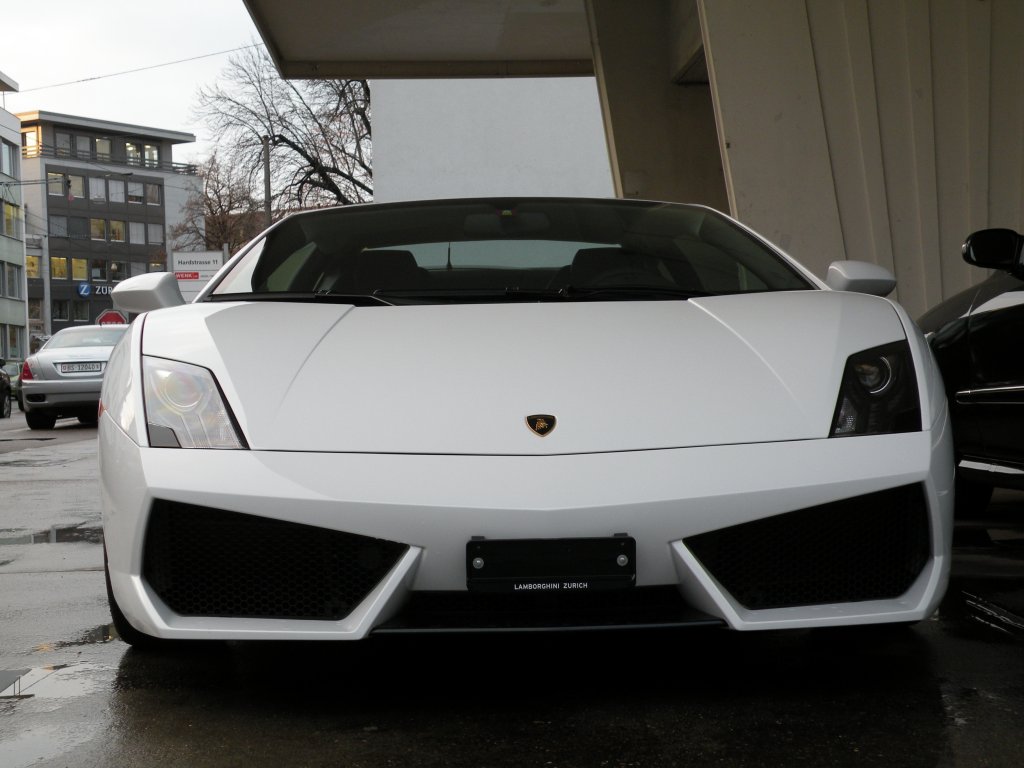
(6, 393)
(520, 414)
(13, 371)
(64, 377)
(974, 335)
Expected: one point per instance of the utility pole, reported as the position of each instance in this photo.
(266, 181)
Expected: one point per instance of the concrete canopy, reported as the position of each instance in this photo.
(431, 38)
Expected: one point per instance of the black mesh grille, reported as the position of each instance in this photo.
(210, 562)
(866, 548)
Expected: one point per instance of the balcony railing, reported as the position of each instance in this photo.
(185, 169)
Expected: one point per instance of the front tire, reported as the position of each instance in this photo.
(126, 631)
(5, 411)
(40, 419)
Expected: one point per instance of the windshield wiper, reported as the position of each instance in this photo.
(325, 297)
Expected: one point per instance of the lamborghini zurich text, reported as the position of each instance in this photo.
(520, 414)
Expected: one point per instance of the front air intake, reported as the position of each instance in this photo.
(870, 547)
(210, 562)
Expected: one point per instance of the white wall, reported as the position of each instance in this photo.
(464, 138)
(867, 129)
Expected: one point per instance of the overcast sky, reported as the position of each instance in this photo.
(61, 41)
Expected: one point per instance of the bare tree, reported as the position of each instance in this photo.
(320, 131)
(223, 211)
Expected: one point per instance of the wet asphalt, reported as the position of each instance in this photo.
(946, 692)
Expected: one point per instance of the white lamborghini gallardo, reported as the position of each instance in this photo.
(514, 414)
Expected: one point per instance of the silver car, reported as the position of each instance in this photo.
(64, 377)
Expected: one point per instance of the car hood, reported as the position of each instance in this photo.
(462, 379)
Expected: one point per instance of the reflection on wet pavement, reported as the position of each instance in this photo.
(55, 535)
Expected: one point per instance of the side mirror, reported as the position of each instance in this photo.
(156, 290)
(860, 277)
(994, 249)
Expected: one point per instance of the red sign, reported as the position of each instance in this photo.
(111, 317)
(187, 275)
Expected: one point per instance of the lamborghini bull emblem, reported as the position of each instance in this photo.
(541, 424)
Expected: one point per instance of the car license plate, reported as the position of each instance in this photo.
(81, 367)
(534, 566)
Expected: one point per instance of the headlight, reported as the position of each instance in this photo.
(878, 394)
(185, 407)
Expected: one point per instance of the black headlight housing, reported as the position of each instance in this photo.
(878, 394)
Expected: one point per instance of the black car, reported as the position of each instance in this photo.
(5, 391)
(975, 337)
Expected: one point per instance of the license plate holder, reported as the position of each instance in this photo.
(81, 367)
(536, 566)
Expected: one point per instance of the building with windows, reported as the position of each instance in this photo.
(99, 200)
(13, 336)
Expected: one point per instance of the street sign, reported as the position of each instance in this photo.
(111, 317)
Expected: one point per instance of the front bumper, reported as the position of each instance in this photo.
(429, 507)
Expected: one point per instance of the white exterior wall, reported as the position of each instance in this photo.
(881, 130)
(463, 138)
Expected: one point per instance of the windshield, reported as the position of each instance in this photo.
(510, 250)
(86, 337)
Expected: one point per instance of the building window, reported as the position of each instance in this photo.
(79, 270)
(59, 267)
(103, 149)
(32, 266)
(12, 281)
(152, 153)
(10, 224)
(118, 271)
(77, 185)
(136, 232)
(155, 233)
(157, 266)
(30, 142)
(63, 144)
(138, 268)
(35, 309)
(153, 194)
(97, 229)
(59, 309)
(99, 270)
(78, 228)
(58, 226)
(116, 189)
(8, 159)
(81, 311)
(117, 233)
(135, 191)
(132, 153)
(83, 146)
(55, 183)
(97, 189)
(14, 342)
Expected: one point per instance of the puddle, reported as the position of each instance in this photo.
(56, 535)
(54, 681)
(101, 634)
(43, 691)
(44, 462)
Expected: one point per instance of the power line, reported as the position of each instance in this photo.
(138, 69)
